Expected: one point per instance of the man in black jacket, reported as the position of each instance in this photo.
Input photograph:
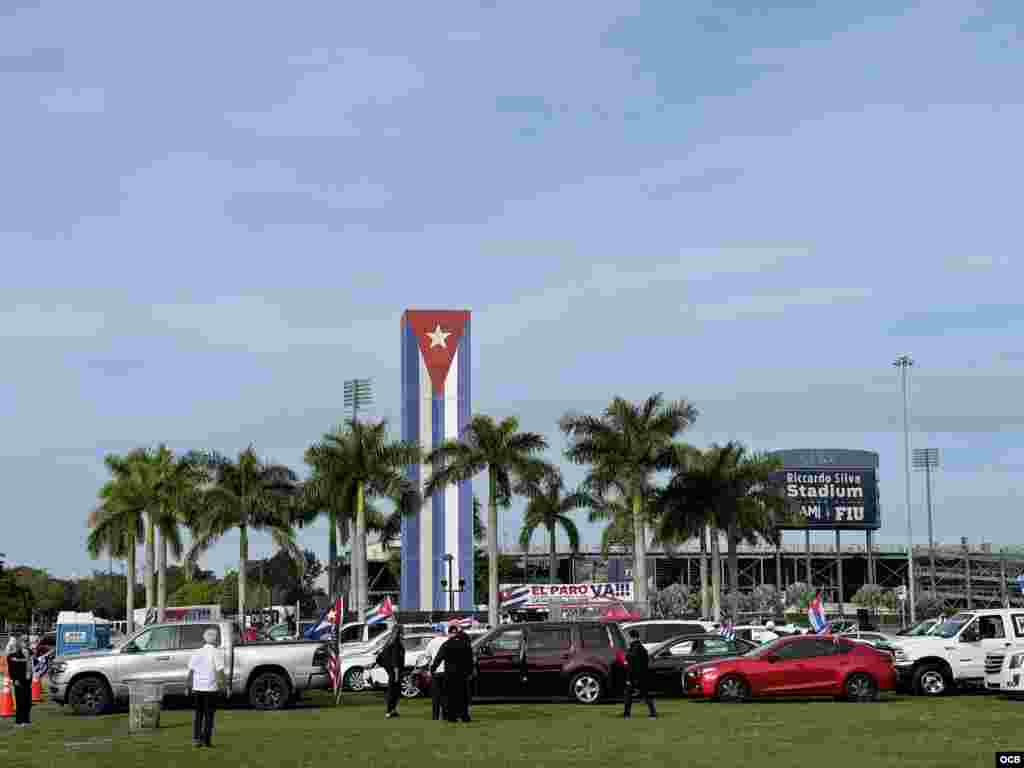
(392, 658)
(638, 661)
(457, 656)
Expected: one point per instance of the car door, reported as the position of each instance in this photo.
(789, 673)
(500, 665)
(667, 664)
(548, 651)
(190, 640)
(995, 638)
(148, 657)
(824, 661)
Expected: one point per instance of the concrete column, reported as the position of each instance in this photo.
(839, 571)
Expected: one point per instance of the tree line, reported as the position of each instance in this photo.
(641, 480)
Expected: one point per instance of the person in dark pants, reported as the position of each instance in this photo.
(204, 683)
(19, 669)
(438, 682)
(457, 656)
(392, 658)
(638, 662)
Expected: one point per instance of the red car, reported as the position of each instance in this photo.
(808, 665)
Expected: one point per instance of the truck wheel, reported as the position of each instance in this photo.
(586, 688)
(931, 680)
(269, 691)
(90, 696)
(354, 679)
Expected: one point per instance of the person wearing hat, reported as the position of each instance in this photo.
(638, 664)
(457, 656)
(19, 669)
(205, 681)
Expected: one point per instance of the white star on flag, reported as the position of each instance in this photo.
(438, 338)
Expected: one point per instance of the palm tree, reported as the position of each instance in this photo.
(248, 494)
(624, 448)
(549, 507)
(177, 498)
(118, 523)
(721, 489)
(354, 465)
(509, 457)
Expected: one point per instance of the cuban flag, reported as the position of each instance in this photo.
(380, 613)
(728, 632)
(41, 665)
(514, 598)
(816, 615)
(436, 408)
(329, 621)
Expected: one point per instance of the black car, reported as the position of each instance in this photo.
(670, 660)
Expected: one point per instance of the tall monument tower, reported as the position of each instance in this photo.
(435, 408)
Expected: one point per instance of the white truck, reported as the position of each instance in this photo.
(1004, 668)
(959, 652)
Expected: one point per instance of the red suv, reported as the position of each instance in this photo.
(809, 665)
(584, 661)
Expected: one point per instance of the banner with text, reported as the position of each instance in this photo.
(831, 498)
(540, 595)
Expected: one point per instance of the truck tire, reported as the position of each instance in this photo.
(269, 691)
(931, 680)
(586, 688)
(90, 695)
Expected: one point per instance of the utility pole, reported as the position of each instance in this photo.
(928, 459)
(904, 362)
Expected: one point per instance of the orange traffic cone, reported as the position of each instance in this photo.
(6, 698)
(37, 691)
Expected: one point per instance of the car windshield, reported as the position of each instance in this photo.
(922, 629)
(952, 626)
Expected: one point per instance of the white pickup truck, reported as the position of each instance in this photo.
(268, 675)
(959, 651)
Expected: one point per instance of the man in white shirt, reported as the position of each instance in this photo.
(438, 695)
(205, 681)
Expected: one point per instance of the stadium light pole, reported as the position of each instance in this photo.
(358, 393)
(904, 362)
(928, 459)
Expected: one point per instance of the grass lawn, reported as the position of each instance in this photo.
(958, 731)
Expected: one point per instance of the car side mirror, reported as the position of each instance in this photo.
(970, 636)
(130, 648)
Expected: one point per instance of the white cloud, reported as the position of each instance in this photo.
(36, 321)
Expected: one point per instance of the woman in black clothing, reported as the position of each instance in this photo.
(19, 669)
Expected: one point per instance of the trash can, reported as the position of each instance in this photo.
(144, 701)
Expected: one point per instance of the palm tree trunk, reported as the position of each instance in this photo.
(332, 555)
(161, 572)
(553, 564)
(150, 561)
(359, 554)
(734, 562)
(243, 559)
(129, 598)
(639, 554)
(492, 551)
(705, 608)
(716, 576)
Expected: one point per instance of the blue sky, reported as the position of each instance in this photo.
(211, 215)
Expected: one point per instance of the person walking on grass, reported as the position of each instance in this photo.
(638, 676)
(392, 658)
(438, 681)
(19, 669)
(457, 657)
(204, 684)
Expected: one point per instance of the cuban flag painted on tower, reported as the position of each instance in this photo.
(436, 407)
